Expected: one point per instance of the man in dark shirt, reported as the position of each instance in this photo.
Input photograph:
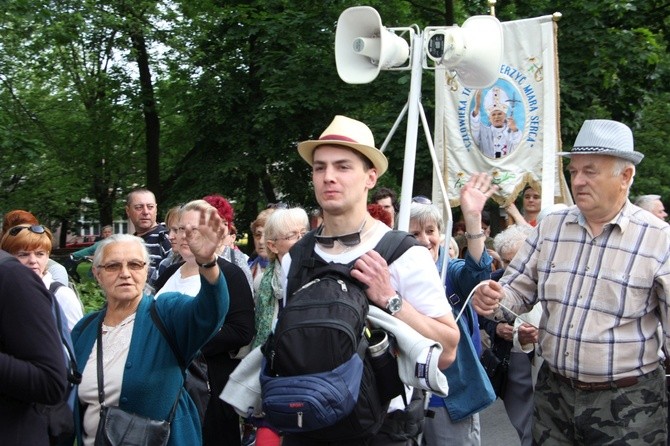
(32, 369)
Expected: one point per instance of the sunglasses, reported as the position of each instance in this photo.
(421, 200)
(351, 239)
(279, 205)
(116, 267)
(36, 229)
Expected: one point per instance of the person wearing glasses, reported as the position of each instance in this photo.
(140, 372)
(345, 168)
(258, 263)
(462, 275)
(142, 211)
(283, 229)
(31, 244)
(221, 424)
(32, 370)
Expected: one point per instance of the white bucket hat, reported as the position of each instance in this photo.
(349, 133)
(605, 137)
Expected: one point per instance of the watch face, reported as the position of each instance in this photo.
(394, 304)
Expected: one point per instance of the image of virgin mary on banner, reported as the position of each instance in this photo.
(509, 129)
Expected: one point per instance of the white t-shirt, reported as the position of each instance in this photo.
(186, 285)
(413, 276)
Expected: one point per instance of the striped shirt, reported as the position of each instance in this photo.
(159, 247)
(602, 297)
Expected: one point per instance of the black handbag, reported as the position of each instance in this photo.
(118, 427)
(495, 361)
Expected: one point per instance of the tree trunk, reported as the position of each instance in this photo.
(151, 120)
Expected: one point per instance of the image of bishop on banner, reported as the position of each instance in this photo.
(509, 129)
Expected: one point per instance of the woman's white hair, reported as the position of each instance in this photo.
(511, 238)
(118, 238)
(425, 214)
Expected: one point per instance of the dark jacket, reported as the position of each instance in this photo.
(32, 368)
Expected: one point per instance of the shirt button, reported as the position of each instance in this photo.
(567, 354)
(124, 400)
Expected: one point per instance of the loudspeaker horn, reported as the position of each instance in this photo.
(474, 51)
(363, 46)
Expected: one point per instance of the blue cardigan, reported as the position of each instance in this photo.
(152, 374)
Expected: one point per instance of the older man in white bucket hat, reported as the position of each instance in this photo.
(601, 272)
(345, 167)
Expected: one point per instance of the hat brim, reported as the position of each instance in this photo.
(376, 157)
(632, 156)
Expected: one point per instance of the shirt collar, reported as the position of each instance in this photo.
(621, 219)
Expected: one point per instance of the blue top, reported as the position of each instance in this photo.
(152, 374)
(462, 276)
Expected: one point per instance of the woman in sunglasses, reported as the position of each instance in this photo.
(31, 245)
(121, 350)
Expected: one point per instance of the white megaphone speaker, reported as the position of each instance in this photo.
(363, 46)
(474, 51)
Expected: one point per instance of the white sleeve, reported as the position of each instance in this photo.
(415, 277)
(69, 303)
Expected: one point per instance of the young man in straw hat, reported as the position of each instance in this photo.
(345, 167)
(601, 272)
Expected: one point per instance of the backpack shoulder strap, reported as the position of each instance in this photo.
(394, 244)
(54, 287)
(170, 340)
(302, 262)
(73, 375)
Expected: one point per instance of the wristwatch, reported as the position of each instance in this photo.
(394, 304)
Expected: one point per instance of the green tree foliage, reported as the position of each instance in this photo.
(233, 86)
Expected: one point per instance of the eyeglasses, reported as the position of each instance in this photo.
(116, 267)
(421, 200)
(36, 229)
(292, 236)
(351, 239)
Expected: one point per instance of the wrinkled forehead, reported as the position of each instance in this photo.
(584, 160)
(123, 251)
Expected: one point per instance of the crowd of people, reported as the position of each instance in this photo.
(577, 297)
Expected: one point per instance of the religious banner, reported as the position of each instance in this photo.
(511, 129)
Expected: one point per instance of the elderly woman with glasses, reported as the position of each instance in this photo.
(221, 424)
(140, 372)
(31, 244)
(459, 426)
(282, 230)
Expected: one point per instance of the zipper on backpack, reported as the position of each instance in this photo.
(299, 419)
(343, 285)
